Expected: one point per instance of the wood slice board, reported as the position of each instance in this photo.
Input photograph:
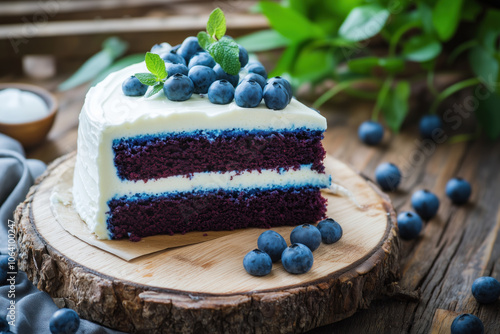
(203, 287)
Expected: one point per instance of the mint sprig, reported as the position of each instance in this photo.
(158, 74)
(224, 50)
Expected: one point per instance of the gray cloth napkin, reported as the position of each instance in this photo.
(33, 307)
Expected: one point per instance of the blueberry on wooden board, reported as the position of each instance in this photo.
(388, 176)
(428, 124)
(458, 190)
(467, 324)
(330, 230)
(486, 290)
(425, 203)
(297, 259)
(272, 243)
(306, 234)
(257, 263)
(409, 225)
(371, 133)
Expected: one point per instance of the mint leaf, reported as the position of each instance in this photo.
(156, 88)
(363, 22)
(204, 40)
(156, 66)
(147, 78)
(226, 53)
(216, 25)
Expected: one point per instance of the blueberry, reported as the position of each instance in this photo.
(467, 324)
(388, 176)
(297, 259)
(4, 324)
(486, 290)
(189, 47)
(428, 124)
(257, 263)
(409, 224)
(255, 77)
(243, 56)
(64, 321)
(425, 203)
(201, 58)
(272, 243)
(256, 67)
(284, 82)
(202, 77)
(371, 133)
(133, 87)
(458, 190)
(221, 75)
(161, 49)
(275, 96)
(330, 230)
(174, 58)
(306, 234)
(173, 69)
(248, 94)
(175, 48)
(221, 92)
(178, 87)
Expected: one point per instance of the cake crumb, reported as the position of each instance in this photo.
(205, 234)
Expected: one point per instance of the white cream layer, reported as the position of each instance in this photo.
(108, 114)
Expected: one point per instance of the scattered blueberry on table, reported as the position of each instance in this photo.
(306, 234)
(425, 203)
(428, 124)
(371, 132)
(178, 87)
(486, 290)
(297, 259)
(64, 321)
(248, 94)
(467, 324)
(330, 230)
(388, 176)
(221, 92)
(202, 77)
(133, 87)
(272, 243)
(275, 96)
(409, 225)
(257, 263)
(458, 190)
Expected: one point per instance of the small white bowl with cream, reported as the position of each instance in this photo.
(27, 112)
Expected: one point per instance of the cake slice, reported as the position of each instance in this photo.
(148, 166)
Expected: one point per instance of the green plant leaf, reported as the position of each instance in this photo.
(445, 17)
(363, 22)
(147, 78)
(286, 60)
(216, 25)
(226, 53)
(263, 40)
(366, 64)
(395, 107)
(425, 16)
(115, 46)
(118, 65)
(204, 40)
(421, 48)
(156, 89)
(488, 115)
(470, 11)
(156, 65)
(484, 65)
(312, 63)
(92, 67)
(341, 8)
(290, 23)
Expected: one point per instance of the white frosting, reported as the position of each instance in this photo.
(108, 114)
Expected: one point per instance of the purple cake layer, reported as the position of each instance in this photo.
(142, 216)
(154, 157)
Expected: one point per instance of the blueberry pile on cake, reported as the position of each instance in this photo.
(190, 147)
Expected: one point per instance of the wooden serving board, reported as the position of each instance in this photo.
(203, 287)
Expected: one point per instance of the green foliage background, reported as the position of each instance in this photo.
(320, 35)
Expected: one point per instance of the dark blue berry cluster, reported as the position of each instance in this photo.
(296, 258)
(191, 70)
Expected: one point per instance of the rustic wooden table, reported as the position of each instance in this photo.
(456, 247)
